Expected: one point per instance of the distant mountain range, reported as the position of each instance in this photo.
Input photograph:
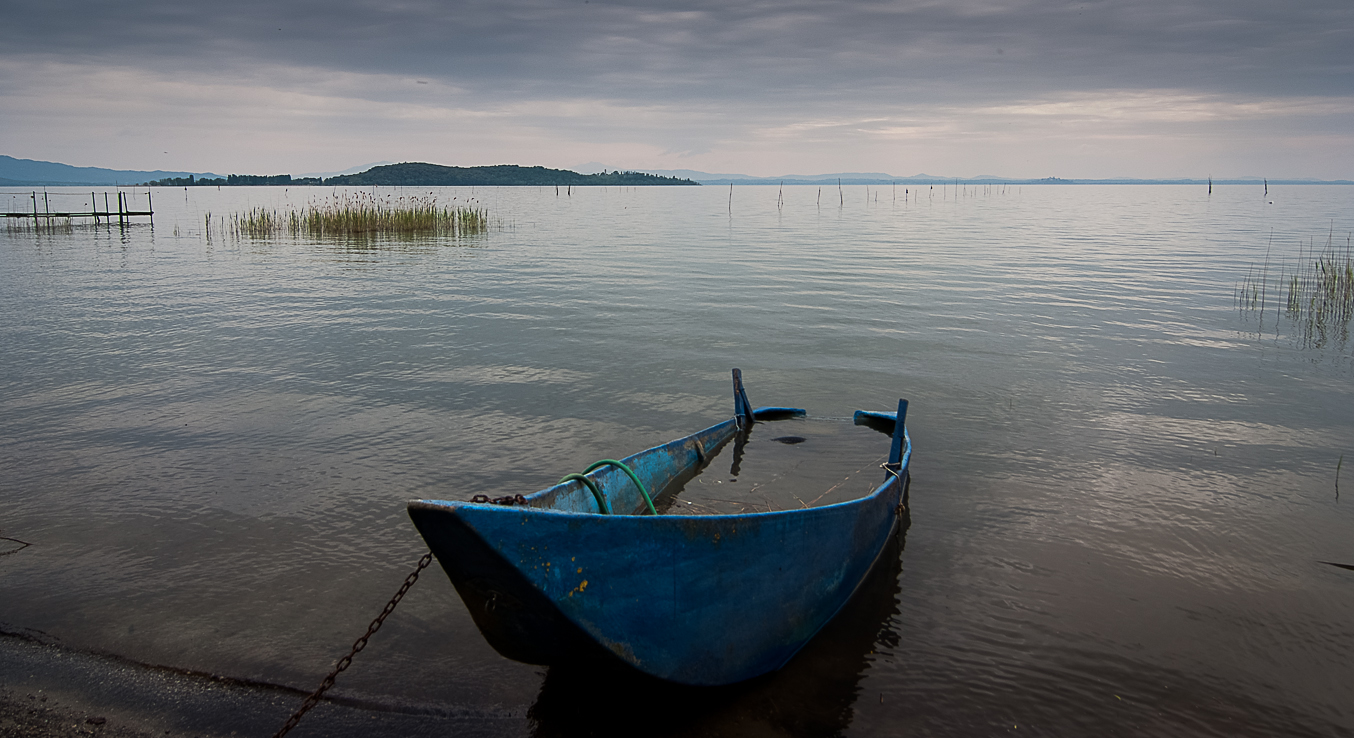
(30, 173)
(845, 177)
(878, 178)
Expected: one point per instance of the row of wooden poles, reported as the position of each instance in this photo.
(123, 213)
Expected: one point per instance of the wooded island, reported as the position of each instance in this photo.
(417, 174)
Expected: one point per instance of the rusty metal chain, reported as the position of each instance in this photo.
(22, 544)
(358, 645)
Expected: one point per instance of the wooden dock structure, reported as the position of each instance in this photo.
(123, 214)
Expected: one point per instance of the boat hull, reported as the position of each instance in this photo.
(700, 600)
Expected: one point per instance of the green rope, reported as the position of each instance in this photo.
(602, 504)
(612, 462)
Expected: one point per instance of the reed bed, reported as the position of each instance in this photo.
(44, 224)
(362, 216)
(1316, 295)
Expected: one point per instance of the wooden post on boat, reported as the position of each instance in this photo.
(899, 433)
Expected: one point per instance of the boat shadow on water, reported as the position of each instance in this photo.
(813, 695)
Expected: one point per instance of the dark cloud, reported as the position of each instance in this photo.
(774, 52)
(1026, 87)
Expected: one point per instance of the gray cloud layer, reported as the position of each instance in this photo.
(714, 50)
(691, 77)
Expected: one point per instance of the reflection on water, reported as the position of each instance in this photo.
(811, 696)
(1122, 490)
(822, 461)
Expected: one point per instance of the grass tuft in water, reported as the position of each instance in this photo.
(1318, 292)
(41, 225)
(362, 215)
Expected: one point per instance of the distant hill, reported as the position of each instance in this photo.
(31, 173)
(349, 170)
(419, 174)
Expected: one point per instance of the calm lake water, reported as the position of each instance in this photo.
(1123, 486)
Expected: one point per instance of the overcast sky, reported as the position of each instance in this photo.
(1030, 88)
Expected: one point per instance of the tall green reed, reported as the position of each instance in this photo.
(363, 216)
(1317, 292)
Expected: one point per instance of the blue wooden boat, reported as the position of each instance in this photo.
(586, 570)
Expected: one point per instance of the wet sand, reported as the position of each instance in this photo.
(47, 690)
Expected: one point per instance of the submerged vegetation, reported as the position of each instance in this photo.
(1316, 295)
(360, 215)
(39, 225)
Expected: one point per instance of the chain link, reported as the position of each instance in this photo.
(22, 545)
(358, 645)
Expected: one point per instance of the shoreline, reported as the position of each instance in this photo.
(48, 690)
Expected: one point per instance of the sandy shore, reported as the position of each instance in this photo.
(47, 690)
